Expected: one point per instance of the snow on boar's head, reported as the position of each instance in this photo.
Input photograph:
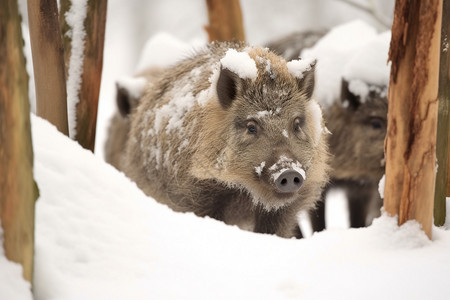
(265, 134)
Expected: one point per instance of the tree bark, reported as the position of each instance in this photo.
(18, 191)
(412, 117)
(86, 109)
(443, 128)
(225, 21)
(48, 62)
(64, 6)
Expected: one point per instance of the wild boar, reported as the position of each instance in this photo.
(230, 132)
(358, 129)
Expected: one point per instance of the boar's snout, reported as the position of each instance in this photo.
(289, 181)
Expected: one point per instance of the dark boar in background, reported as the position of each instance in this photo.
(358, 127)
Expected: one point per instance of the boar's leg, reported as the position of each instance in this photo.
(317, 216)
(273, 222)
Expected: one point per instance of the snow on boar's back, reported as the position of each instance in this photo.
(231, 133)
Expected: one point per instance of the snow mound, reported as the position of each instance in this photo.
(162, 50)
(99, 237)
(240, 63)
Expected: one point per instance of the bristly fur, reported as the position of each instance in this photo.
(185, 149)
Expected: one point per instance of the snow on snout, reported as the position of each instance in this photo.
(284, 164)
(260, 168)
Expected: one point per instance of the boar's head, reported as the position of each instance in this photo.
(273, 145)
(358, 129)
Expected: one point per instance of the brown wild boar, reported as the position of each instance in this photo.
(358, 129)
(231, 133)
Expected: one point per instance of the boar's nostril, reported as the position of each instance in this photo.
(289, 181)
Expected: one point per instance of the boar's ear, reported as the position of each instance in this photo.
(125, 103)
(306, 83)
(227, 87)
(352, 100)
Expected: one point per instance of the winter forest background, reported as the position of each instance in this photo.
(99, 237)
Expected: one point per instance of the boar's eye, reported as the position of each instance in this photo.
(298, 123)
(252, 128)
(376, 123)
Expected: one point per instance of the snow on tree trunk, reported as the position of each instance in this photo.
(443, 128)
(225, 21)
(18, 191)
(83, 26)
(48, 62)
(412, 118)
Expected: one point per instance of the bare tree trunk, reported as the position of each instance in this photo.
(92, 73)
(64, 6)
(48, 62)
(18, 191)
(443, 128)
(86, 108)
(413, 104)
(225, 21)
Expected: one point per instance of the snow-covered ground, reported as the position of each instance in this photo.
(99, 237)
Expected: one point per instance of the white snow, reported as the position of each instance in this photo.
(75, 19)
(260, 168)
(381, 186)
(336, 200)
(99, 237)
(240, 63)
(162, 50)
(370, 63)
(299, 66)
(353, 50)
(265, 113)
(134, 85)
(12, 284)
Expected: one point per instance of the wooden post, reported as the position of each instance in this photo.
(225, 21)
(443, 128)
(92, 73)
(64, 6)
(48, 62)
(412, 117)
(88, 94)
(18, 191)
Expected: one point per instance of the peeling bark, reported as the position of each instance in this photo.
(413, 104)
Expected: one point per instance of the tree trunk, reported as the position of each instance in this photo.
(412, 118)
(225, 21)
(64, 6)
(92, 73)
(443, 128)
(48, 62)
(18, 191)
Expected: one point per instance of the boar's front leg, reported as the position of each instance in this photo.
(277, 222)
